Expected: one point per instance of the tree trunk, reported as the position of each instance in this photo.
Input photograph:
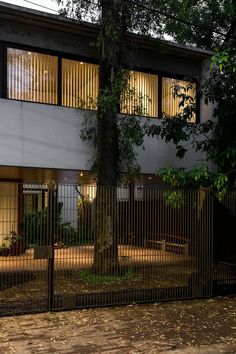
(110, 44)
(106, 248)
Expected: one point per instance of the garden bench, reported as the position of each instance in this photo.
(182, 246)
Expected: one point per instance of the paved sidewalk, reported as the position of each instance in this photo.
(197, 327)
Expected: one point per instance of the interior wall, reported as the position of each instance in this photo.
(8, 210)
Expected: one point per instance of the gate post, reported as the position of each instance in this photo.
(51, 241)
(205, 243)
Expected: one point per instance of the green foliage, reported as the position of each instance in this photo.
(220, 12)
(187, 21)
(131, 128)
(35, 226)
(95, 279)
(174, 199)
(216, 138)
(199, 177)
(67, 234)
(131, 135)
(80, 9)
(220, 89)
(85, 222)
(222, 60)
(88, 103)
(109, 97)
(179, 128)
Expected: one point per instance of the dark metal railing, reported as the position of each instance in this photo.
(64, 246)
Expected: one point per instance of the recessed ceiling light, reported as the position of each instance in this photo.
(81, 174)
(29, 53)
(81, 63)
(149, 177)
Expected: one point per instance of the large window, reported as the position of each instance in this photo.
(79, 84)
(32, 76)
(142, 95)
(170, 103)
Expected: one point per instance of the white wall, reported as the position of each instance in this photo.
(158, 154)
(38, 135)
(68, 196)
(8, 210)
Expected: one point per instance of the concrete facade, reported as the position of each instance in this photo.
(47, 136)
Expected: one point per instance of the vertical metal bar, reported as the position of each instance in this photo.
(20, 208)
(50, 234)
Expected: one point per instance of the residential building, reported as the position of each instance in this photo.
(49, 80)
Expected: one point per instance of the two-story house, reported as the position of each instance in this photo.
(48, 70)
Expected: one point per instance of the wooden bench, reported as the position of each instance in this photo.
(167, 246)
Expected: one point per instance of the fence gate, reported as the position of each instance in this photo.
(67, 247)
(23, 267)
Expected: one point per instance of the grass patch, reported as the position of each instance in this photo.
(90, 278)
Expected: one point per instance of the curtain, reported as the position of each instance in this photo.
(141, 97)
(79, 84)
(31, 76)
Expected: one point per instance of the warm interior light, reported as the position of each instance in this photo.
(81, 174)
(32, 76)
(81, 63)
(149, 177)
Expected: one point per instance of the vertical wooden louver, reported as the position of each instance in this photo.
(79, 84)
(142, 95)
(170, 104)
(31, 76)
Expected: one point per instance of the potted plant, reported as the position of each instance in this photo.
(17, 244)
(4, 250)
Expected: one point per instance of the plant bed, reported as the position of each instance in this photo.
(4, 251)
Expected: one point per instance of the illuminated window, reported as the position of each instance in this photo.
(142, 96)
(31, 76)
(79, 84)
(170, 104)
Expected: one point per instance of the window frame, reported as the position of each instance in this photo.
(60, 55)
(63, 55)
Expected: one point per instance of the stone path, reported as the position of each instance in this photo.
(197, 327)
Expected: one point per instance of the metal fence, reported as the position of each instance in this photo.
(224, 221)
(65, 247)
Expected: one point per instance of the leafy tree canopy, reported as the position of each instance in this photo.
(202, 23)
(215, 137)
